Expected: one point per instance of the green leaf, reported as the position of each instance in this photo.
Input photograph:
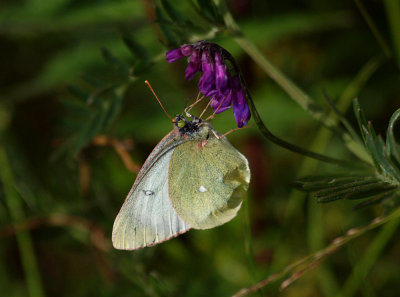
(165, 26)
(380, 198)
(78, 92)
(118, 65)
(327, 190)
(93, 81)
(342, 119)
(331, 187)
(392, 148)
(92, 127)
(113, 109)
(318, 182)
(209, 10)
(137, 50)
(377, 149)
(174, 14)
(356, 191)
(76, 107)
(362, 121)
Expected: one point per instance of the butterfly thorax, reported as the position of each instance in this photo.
(186, 127)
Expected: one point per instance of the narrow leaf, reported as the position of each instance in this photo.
(383, 165)
(342, 119)
(170, 38)
(118, 65)
(392, 148)
(315, 183)
(78, 92)
(92, 127)
(357, 192)
(343, 188)
(362, 121)
(174, 14)
(113, 109)
(209, 11)
(135, 48)
(382, 197)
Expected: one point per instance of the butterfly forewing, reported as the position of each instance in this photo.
(147, 216)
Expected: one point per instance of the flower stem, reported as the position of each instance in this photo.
(298, 95)
(248, 244)
(283, 81)
(374, 29)
(393, 14)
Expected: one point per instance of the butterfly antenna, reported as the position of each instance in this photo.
(155, 95)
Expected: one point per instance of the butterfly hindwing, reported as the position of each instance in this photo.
(208, 180)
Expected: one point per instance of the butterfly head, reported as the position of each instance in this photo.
(187, 127)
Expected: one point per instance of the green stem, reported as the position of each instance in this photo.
(291, 147)
(294, 91)
(24, 240)
(374, 29)
(248, 244)
(393, 13)
(284, 82)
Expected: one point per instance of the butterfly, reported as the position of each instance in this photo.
(194, 178)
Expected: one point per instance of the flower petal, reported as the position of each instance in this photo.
(221, 75)
(207, 79)
(186, 49)
(194, 65)
(241, 110)
(221, 103)
(176, 54)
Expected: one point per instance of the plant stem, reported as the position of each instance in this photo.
(374, 29)
(24, 240)
(299, 96)
(283, 81)
(393, 13)
(248, 244)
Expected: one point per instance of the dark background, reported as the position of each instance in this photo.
(64, 201)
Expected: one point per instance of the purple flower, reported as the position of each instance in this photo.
(221, 75)
(184, 51)
(218, 82)
(241, 110)
(207, 79)
(194, 65)
(221, 103)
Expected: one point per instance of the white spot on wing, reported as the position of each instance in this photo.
(148, 192)
(202, 189)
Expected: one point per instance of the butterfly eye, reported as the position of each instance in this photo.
(181, 124)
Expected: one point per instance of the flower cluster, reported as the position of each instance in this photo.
(218, 82)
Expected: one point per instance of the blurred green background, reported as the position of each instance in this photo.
(67, 163)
